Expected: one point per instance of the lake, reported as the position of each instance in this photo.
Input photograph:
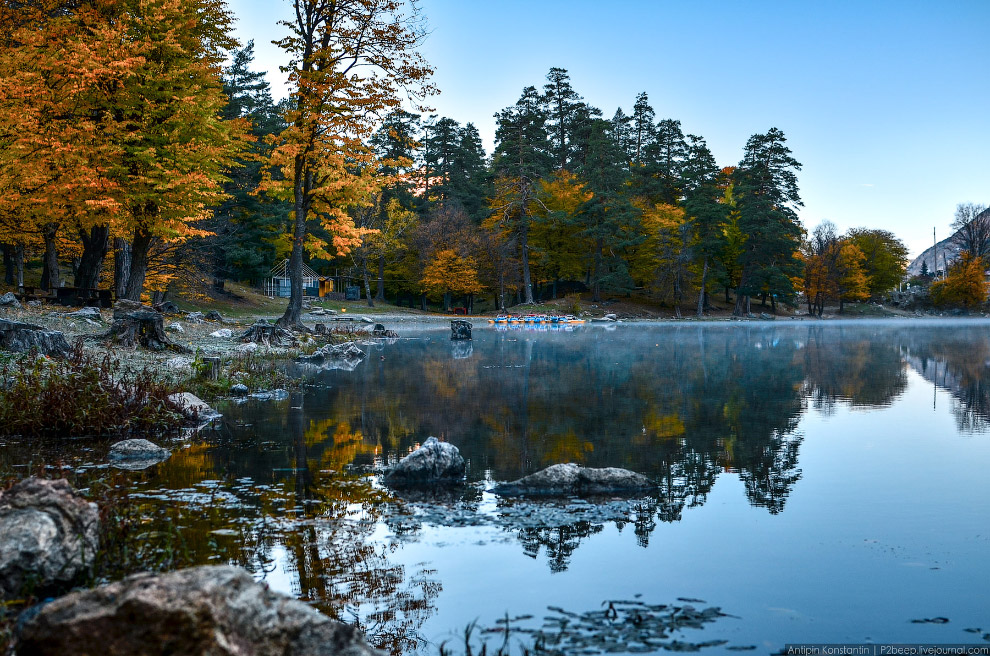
(819, 482)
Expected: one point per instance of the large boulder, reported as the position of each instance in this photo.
(433, 463)
(18, 337)
(213, 610)
(48, 534)
(137, 454)
(574, 480)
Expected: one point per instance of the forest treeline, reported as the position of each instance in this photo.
(140, 147)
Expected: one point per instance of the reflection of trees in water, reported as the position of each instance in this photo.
(326, 538)
(852, 365)
(558, 541)
(958, 361)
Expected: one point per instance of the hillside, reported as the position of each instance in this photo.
(947, 250)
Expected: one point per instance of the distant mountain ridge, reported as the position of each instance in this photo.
(948, 250)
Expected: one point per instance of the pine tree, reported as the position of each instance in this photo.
(703, 185)
(522, 158)
(767, 195)
(563, 104)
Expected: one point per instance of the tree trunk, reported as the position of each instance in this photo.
(596, 286)
(701, 293)
(446, 301)
(140, 248)
(19, 264)
(422, 302)
(121, 266)
(380, 292)
(741, 302)
(527, 281)
(8, 264)
(300, 188)
(367, 280)
(50, 278)
(96, 243)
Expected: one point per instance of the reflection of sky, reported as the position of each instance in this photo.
(886, 525)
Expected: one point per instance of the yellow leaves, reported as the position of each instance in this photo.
(448, 272)
(964, 285)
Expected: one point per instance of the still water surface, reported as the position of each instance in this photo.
(819, 482)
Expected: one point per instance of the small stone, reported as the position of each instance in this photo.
(223, 333)
(86, 313)
(175, 327)
(195, 317)
(137, 454)
(248, 347)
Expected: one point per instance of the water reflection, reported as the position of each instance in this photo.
(276, 490)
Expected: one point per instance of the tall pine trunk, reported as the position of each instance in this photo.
(380, 292)
(96, 243)
(527, 280)
(121, 266)
(50, 277)
(138, 271)
(701, 292)
(367, 280)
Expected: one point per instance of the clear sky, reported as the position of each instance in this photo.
(886, 104)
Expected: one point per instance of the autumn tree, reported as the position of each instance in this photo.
(964, 285)
(885, 257)
(448, 273)
(557, 245)
(349, 62)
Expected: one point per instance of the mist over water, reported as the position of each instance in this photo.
(818, 481)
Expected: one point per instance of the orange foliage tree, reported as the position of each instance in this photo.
(449, 273)
(965, 284)
(350, 59)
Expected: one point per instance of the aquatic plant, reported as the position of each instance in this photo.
(82, 395)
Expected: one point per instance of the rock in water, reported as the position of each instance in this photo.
(48, 534)
(194, 407)
(137, 454)
(18, 337)
(460, 329)
(571, 479)
(345, 356)
(433, 463)
(215, 610)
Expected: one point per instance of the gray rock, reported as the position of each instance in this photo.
(433, 463)
(195, 317)
(572, 479)
(270, 395)
(48, 534)
(212, 610)
(767, 317)
(240, 389)
(34, 303)
(168, 307)
(18, 337)
(194, 407)
(223, 333)
(460, 329)
(335, 356)
(137, 454)
(175, 327)
(86, 313)
(9, 300)
(213, 315)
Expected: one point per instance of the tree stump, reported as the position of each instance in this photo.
(268, 334)
(380, 331)
(320, 329)
(211, 368)
(139, 325)
(18, 337)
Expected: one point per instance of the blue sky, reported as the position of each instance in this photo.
(886, 104)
